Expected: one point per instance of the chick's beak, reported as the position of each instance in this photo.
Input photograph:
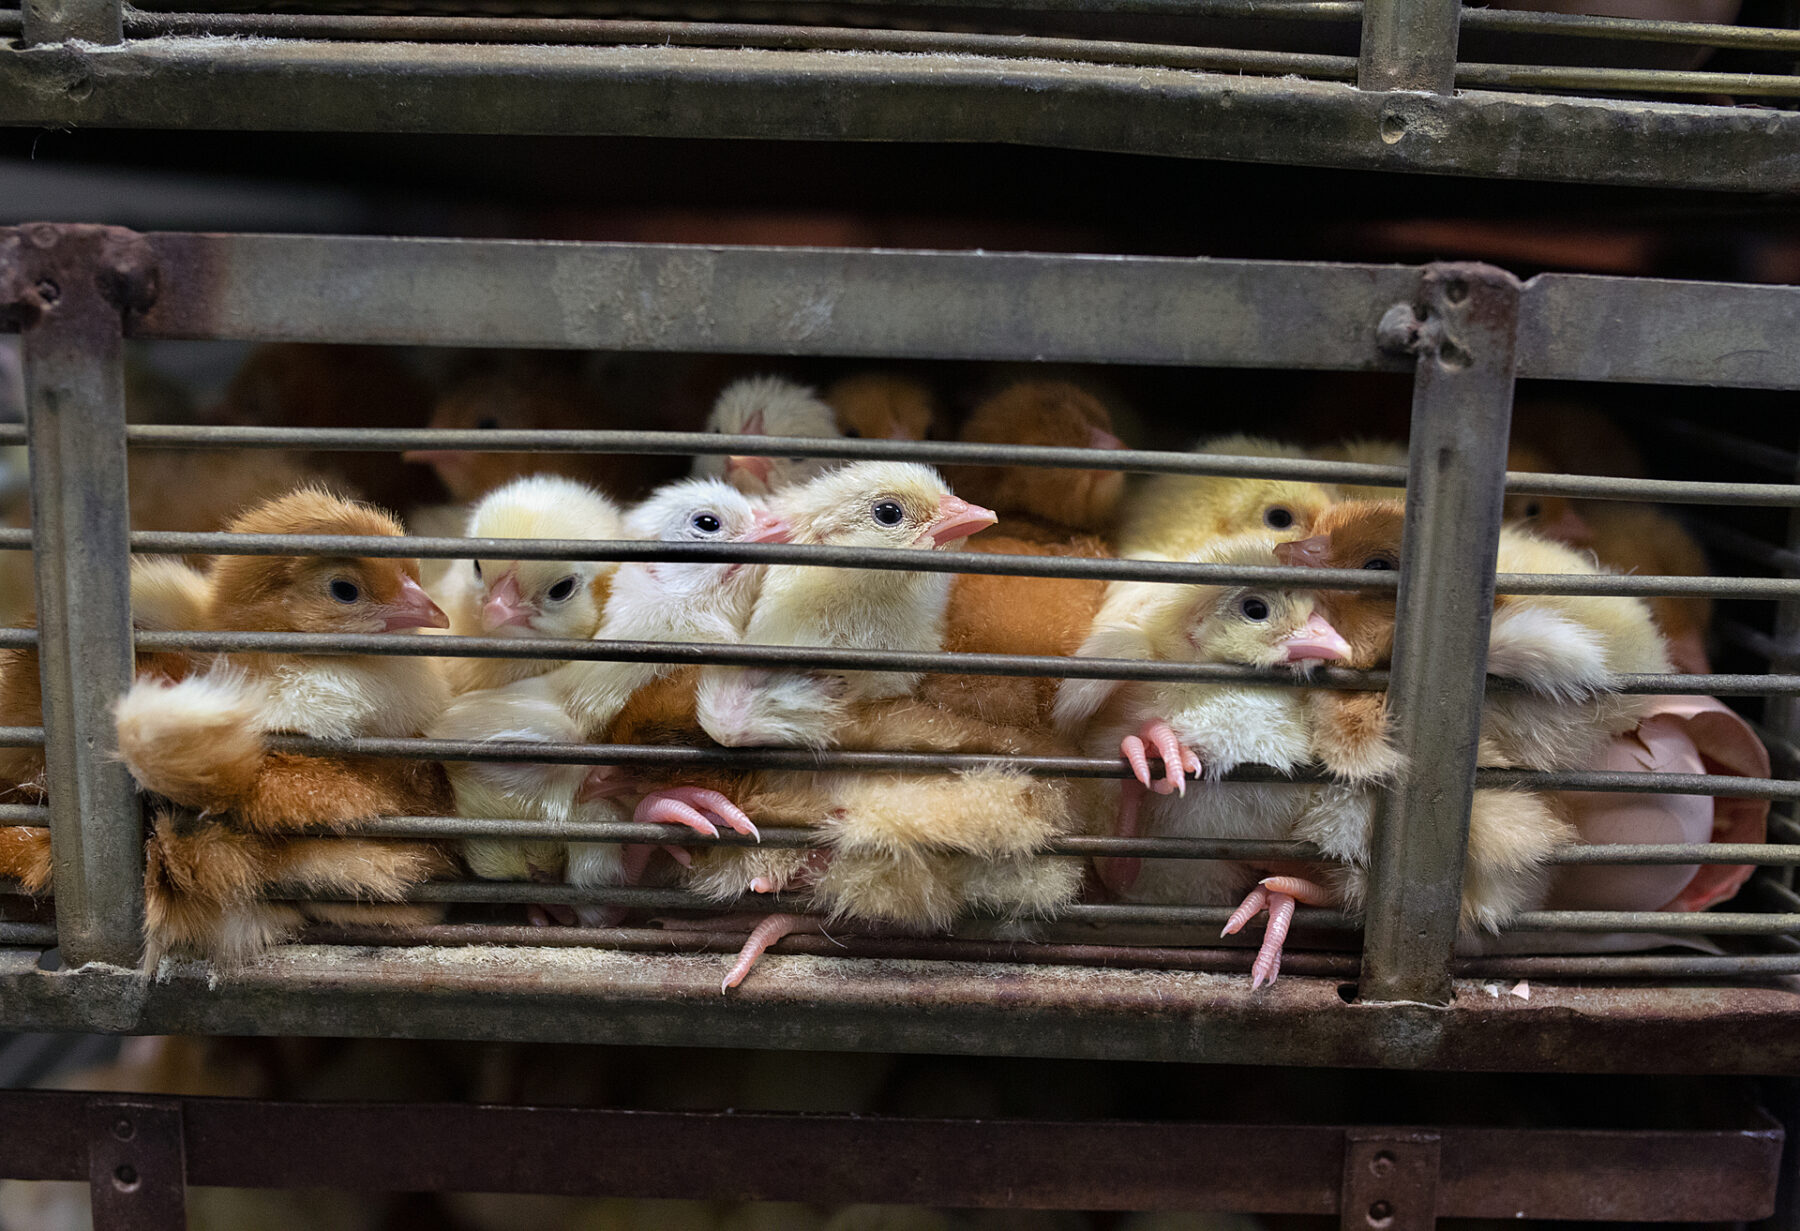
(757, 468)
(1303, 553)
(1100, 438)
(766, 527)
(505, 606)
(413, 609)
(958, 519)
(1316, 641)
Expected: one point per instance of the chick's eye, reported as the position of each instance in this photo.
(1254, 609)
(888, 513)
(852, 433)
(477, 565)
(1277, 518)
(1533, 509)
(345, 591)
(706, 523)
(561, 591)
(1378, 563)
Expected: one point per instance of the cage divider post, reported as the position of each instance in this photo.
(83, 279)
(1409, 45)
(1463, 330)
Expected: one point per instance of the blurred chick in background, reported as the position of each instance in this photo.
(240, 806)
(766, 406)
(886, 406)
(1041, 512)
(508, 698)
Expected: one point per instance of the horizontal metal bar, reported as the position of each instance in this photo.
(21, 737)
(1640, 783)
(24, 814)
(1632, 29)
(1765, 854)
(751, 93)
(1628, 966)
(900, 559)
(692, 653)
(1624, 80)
(593, 32)
(35, 935)
(15, 538)
(1697, 685)
(1685, 923)
(1142, 461)
(672, 999)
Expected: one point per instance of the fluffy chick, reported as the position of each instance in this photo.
(530, 598)
(201, 743)
(1205, 729)
(885, 406)
(1042, 513)
(865, 504)
(1169, 517)
(766, 406)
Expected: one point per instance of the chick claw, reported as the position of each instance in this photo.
(761, 937)
(1178, 759)
(683, 805)
(1279, 894)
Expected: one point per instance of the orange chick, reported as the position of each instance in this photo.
(885, 406)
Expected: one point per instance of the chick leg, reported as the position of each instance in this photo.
(1119, 875)
(1178, 759)
(1279, 894)
(687, 805)
(810, 870)
(761, 937)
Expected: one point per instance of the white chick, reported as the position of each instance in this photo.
(865, 504)
(1207, 729)
(766, 406)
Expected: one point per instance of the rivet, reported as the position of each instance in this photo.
(1381, 1214)
(1382, 1164)
(123, 1130)
(125, 1177)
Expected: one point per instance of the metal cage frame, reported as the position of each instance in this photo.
(1468, 331)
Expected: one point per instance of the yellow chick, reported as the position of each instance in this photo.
(766, 406)
(1169, 517)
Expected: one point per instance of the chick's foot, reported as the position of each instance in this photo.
(1178, 759)
(1278, 894)
(1119, 875)
(690, 806)
(761, 937)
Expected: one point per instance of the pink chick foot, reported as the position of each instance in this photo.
(1178, 759)
(1279, 894)
(1120, 874)
(688, 805)
(761, 937)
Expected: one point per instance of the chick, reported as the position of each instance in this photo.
(1169, 517)
(884, 406)
(530, 598)
(865, 504)
(1042, 513)
(1206, 729)
(166, 595)
(501, 698)
(240, 806)
(532, 390)
(766, 406)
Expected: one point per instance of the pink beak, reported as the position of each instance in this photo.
(757, 467)
(413, 610)
(1571, 528)
(897, 432)
(505, 605)
(753, 426)
(603, 782)
(766, 527)
(1316, 642)
(958, 519)
(1304, 553)
(1100, 438)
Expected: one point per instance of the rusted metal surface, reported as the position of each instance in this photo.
(1390, 1180)
(1409, 45)
(137, 1163)
(59, 21)
(80, 284)
(1028, 1164)
(1462, 413)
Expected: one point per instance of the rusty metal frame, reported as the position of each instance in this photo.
(1725, 1173)
(1473, 328)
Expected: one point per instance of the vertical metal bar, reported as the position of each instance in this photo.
(1782, 714)
(75, 424)
(1409, 45)
(137, 1164)
(1462, 415)
(58, 21)
(1390, 1180)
